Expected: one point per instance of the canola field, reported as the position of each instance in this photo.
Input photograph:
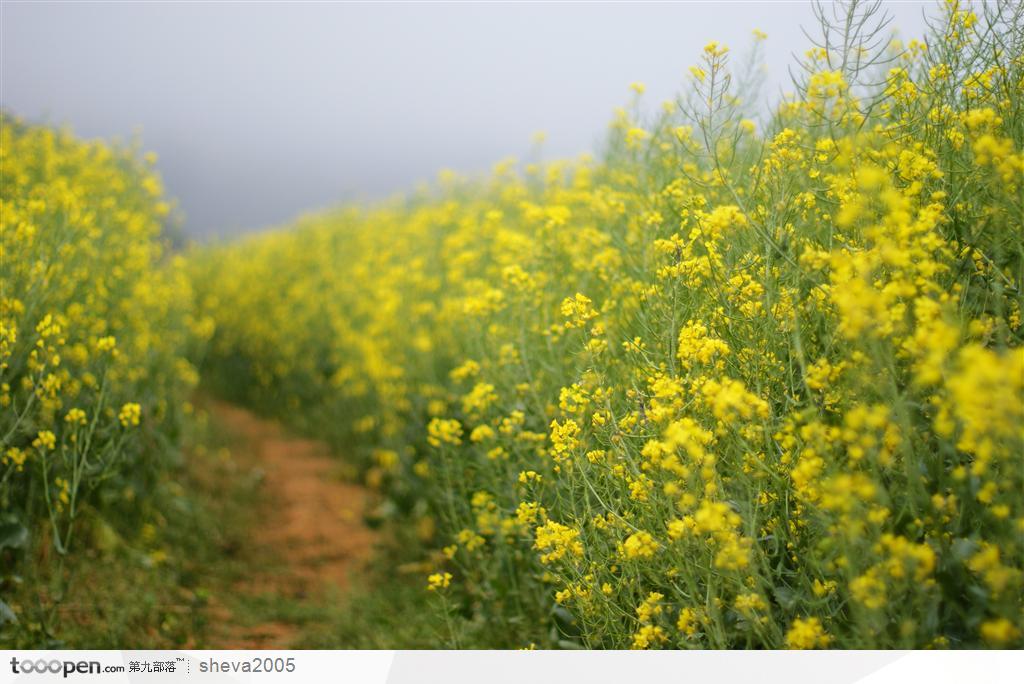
(96, 329)
(744, 379)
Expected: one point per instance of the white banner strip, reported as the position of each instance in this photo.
(515, 667)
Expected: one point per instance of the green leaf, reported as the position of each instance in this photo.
(6, 614)
(786, 597)
(13, 535)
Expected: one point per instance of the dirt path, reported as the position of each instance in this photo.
(309, 528)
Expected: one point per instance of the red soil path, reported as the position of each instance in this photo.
(310, 523)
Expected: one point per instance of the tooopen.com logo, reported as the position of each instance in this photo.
(65, 667)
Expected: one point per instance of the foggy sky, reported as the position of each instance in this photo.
(261, 111)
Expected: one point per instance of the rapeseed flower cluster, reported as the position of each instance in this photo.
(726, 385)
(95, 332)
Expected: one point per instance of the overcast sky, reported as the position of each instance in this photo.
(261, 111)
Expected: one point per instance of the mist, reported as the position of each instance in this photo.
(261, 111)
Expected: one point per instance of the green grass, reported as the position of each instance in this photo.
(206, 522)
(148, 586)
